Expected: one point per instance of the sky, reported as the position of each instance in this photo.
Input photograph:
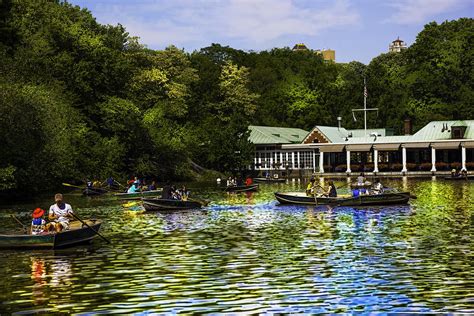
(356, 29)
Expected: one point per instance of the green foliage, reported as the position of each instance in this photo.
(79, 99)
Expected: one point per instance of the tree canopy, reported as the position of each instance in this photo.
(83, 100)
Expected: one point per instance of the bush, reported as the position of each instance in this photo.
(411, 166)
(383, 167)
(470, 165)
(369, 167)
(441, 166)
(396, 167)
(426, 166)
(341, 168)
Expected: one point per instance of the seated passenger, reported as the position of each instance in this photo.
(310, 187)
(378, 187)
(59, 214)
(38, 223)
(361, 179)
(133, 188)
(331, 191)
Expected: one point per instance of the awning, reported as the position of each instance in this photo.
(359, 147)
(467, 144)
(387, 147)
(446, 145)
(417, 145)
(336, 148)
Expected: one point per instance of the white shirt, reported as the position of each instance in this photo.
(61, 214)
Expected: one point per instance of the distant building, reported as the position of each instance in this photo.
(300, 47)
(328, 54)
(397, 46)
(439, 146)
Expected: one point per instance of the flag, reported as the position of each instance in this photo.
(365, 91)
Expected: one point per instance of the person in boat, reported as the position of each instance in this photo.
(166, 193)
(230, 182)
(331, 190)
(38, 224)
(464, 173)
(275, 176)
(134, 188)
(310, 187)
(361, 179)
(59, 214)
(239, 181)
(183, 193)
(152, 186)
(378, 187)
(89, 184)
(248, 181)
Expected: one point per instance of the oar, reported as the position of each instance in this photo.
(80, 220)
(73, 186)
(16, 219)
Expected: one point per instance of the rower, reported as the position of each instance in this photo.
(310, 187)
(59, 214)
(331, 191)
(361, 179)
(378, 187)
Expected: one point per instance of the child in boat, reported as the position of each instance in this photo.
(378, 187)
(38, 223)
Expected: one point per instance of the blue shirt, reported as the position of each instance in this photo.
(133, 189)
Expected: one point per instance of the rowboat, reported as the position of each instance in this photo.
(361, 200)
(92, 191)
(169, 204)
(459, 178)
(242, 188)
(138, 194)
(76, 234)
(269, 180)
(365, 185)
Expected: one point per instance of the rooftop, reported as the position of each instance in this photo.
(276, 135)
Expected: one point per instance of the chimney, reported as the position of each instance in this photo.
(407, 127)
(339, 119)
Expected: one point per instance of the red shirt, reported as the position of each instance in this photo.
(248, 181)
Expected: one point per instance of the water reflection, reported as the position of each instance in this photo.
(245, 253)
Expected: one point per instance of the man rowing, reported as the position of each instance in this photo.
(59, 214)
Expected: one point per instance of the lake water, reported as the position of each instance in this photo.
(245, 253)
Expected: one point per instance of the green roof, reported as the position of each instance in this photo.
(276, 135)
(435, 131)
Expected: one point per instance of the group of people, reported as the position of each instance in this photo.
(171, 192)
(313, 189)
(238, 181)
(59, 216)
(455, 173)
(136, 185)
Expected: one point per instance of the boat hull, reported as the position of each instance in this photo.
(242, 188)
(151, 205)
(269, 180)
(459, 178)
(94, 191)
(362, 200)
(76, 235)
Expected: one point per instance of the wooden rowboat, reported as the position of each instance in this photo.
(242, 188)
(169, 204)
(269, 180)
(460, 178)
(361, 200)
(76, 234)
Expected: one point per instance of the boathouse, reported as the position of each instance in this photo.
(438, 147)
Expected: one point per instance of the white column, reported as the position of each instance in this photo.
(376, 160)
(404, 159)
(292, 160)
(463, 158)
(348, 161)
(260, 161)
(433, 159)
(321, 162)
(276, 157)
(255, 161)
(298, 159)
(281, 161)
(271, 162)
(314, 161)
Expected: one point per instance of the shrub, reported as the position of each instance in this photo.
(341, 168)
(426, 166)
(355, 168)
(470, 165)
(411, 166)
(369, 167)
(396, 166)
(383, 167)
(441, 166)
(455, 165)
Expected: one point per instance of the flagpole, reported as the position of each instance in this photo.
(365, 109)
